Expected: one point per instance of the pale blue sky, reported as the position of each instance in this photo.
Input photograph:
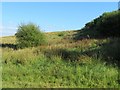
(51, 16)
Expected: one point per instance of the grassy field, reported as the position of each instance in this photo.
(62, 63)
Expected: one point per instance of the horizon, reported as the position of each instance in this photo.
(52, 16)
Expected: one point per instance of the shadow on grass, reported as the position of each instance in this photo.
(63, 53)
(108, 52)
(87, 34)
(111, 58)
(12, 46)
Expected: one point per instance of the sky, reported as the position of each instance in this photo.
(52, 16)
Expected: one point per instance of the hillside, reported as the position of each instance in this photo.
(62, 63)
(106, 25)
(70, 59)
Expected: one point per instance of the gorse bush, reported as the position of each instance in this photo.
(29, 35)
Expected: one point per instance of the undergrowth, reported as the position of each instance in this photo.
(78, 64)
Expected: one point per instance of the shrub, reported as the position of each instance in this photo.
(106, 25)
(29, 35)
(61, 34)
(109, 25)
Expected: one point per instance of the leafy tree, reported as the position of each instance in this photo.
(29, 35)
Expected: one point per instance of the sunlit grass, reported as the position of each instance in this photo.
(65, 64)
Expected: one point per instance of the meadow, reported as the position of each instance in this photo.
(62, 63)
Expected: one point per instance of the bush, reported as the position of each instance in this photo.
(109, 24)
(61, 34)
(106, 25)
(29, 35)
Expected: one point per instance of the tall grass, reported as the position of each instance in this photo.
(55, 72)
(76, 64)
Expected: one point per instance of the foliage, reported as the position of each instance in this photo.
(29, 35)
(61, 34)
(55, 73)
(106, 25)
(64, 62)
(80, 64)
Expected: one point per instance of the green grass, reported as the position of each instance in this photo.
(49, 73)
(62, 63)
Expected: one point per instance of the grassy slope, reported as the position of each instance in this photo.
(63, 62)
